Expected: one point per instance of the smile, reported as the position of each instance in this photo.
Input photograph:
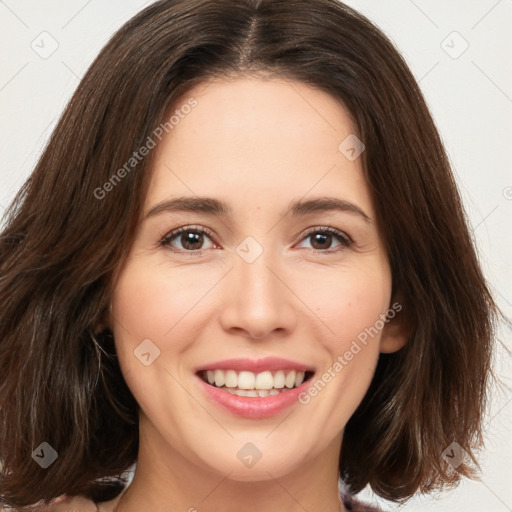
(250, 384)
(254, 388)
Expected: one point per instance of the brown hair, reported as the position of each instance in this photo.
(61, 245)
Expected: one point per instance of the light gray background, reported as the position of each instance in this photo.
(470, 96)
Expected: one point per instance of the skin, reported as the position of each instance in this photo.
(256, 143)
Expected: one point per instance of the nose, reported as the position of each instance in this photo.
(259, 303)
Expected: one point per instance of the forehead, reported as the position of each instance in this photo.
(254, 141)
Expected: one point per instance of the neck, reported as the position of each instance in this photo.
(165, 481)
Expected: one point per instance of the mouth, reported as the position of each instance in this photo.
(254, 388)
(255, 385)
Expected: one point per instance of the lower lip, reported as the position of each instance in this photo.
(253, 407)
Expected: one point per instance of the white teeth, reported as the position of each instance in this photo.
(246, 380)
(263, 383)
(219, 378)
(231, 379)
(243, 392)
(251, 392)
(279, 379)
(290, 380)
(264, 380)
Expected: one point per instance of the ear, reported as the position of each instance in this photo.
(396, 331)
(100, 327)
(104, 321)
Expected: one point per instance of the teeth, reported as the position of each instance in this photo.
(251, 392)
(246, 380)
(257, 384)
(219, 378)
(231, 379)
(279, 380)
(290, 380)
(264, 380)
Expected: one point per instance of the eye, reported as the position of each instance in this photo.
(323, 237)
(191, 239)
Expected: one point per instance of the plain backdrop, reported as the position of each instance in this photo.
(460, 54)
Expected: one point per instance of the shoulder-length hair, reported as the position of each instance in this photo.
(64, 238)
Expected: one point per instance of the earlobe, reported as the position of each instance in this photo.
(104, 322)
(396, 332)
(393, 338)
(100, 327)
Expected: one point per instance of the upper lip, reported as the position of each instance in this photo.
(256, 365)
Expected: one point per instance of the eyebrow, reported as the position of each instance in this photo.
(211, 206)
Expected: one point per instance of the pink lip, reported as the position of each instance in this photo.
(256, 365)
(253, 407)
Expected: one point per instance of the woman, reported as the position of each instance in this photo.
(241, 263)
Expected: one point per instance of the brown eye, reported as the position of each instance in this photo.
(323, 238)
(320, 240)
(186, 239)
(191, 240)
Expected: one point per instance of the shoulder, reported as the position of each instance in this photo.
(73, 504)
(354, 505)
(62, 504)
(81, 504)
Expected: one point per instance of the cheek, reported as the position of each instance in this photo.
(150, 303)
(348, 301)
(349, 304)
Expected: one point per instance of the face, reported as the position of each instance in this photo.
(280, 267)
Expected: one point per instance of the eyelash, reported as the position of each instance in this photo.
(343, 238)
